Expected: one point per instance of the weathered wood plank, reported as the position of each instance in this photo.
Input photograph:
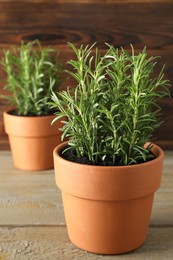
(32, 198)
(28, 197)
(139, 23)
(88, 1)
(162, 214)
(49, 243)
(117, 22)
(32, 221)
(164, 133)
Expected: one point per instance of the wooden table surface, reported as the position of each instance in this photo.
(32, 224)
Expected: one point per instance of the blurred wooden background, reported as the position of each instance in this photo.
(118, 22)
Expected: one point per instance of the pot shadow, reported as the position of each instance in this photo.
(158, 245)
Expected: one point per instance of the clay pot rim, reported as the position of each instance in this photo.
(7, 112)
(158, 153)
(34, 126)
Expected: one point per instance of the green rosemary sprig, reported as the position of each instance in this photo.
(32, 72)
(113, 111)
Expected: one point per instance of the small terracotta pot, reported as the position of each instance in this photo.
(107, 208)
(32, 140)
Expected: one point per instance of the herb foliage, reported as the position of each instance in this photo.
(32, 72)
(113, 111)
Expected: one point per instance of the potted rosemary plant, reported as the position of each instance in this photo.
(32, 72)
(109, 170)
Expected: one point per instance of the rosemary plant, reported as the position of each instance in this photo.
(32, 72)
(113, 111)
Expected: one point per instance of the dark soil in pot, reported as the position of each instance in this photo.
(71, 155)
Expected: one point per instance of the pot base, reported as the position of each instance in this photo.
(32, 154)
(111, 227)
(112, 252)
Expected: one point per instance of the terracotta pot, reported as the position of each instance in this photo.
(107, 208)
(32, 140)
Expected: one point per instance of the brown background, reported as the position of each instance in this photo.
(119, 23)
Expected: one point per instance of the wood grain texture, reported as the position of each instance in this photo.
(28, 198)
(32, 225)
(32, 198)
(88, 1)
(52, 243)
(141, 24)
(55, 22)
